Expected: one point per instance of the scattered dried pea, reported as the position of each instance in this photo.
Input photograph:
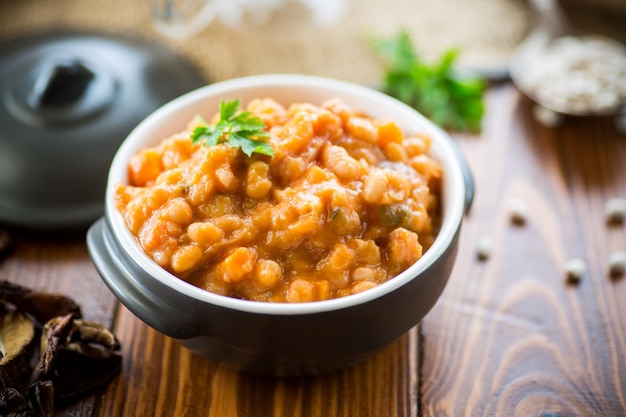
(519, 211)
(617, 264)
(484, 247)
(615, 210)
(575, 269)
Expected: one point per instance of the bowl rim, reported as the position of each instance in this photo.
(453, 206)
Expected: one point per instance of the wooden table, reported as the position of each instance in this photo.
(509, 337)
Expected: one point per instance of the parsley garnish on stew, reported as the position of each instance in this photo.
(450, 99)
(240, 130)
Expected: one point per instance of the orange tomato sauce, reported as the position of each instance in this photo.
(346, 203)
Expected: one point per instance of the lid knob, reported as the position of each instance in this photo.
(61, 90)
(61, 82)
(67, 101)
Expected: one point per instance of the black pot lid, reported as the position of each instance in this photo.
(67, 101)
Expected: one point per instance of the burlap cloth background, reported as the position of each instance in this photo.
(485, 30)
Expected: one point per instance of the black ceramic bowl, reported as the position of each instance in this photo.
(278, 338)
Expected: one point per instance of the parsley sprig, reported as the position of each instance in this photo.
(450, 99)
(240, 130)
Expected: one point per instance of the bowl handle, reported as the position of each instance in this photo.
(144, 302)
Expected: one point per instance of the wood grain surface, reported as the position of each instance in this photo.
(169, 380)
(509, 337)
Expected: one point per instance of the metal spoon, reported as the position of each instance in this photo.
(552, 27)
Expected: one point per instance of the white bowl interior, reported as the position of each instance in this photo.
(286, 89)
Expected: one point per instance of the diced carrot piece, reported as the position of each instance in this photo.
(144, 168)
(388, 132)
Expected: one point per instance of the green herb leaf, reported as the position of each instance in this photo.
(450, 99)
(228, 109)
(250, 146)
(243, 130)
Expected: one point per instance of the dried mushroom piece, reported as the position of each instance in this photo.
(41, 305)
(41, 398)
(78, 373)
(74, 356)
(55, 334)
(77, 356)
(17, 334)
(97, 334)
(39, 401)
(13, 404)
